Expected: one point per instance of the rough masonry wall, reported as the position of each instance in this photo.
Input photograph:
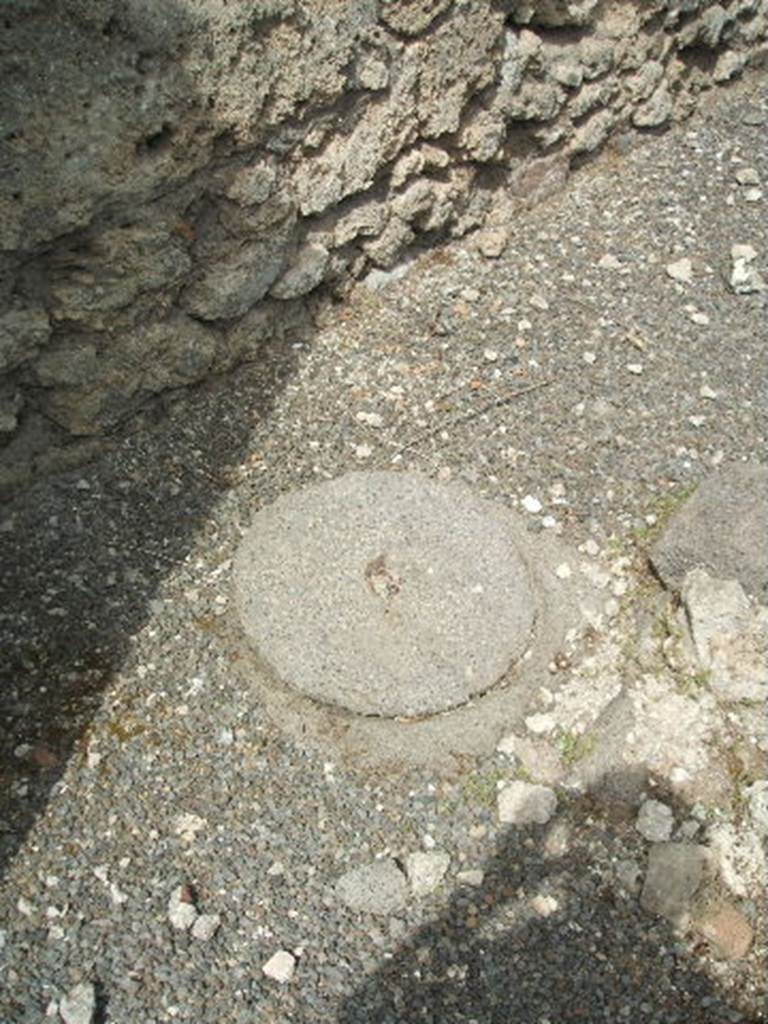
(178, 177)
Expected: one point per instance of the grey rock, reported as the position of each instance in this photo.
(757, 794)
(206, 926)
(722, 528)
(378, 888)
(655, 821)
(730, 640)
(426, 870)
(280, 966)
(78, 1006)
(181, 910)
(22, 333)
(525, 803)
(306, 273)
(414, 595)
(675, 872)
(229, 287)
(655, 111)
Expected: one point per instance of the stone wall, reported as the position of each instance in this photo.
(178, 177)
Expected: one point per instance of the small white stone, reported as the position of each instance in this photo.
(697, 421)
(681, 270)
(698, 318)
(490, 355)
(206, 926)
(428, 841)
(226, 736)
(591, 547)
(753, 195)
(280, 967)
(79, 1004)
(539, 302)
(746, 176)
(507, 745)
(524, 803)
(549, 522)
(544, 905)
(363, 451)
(610, 262)
(276, 869)
(636, 368)
(472, 876)
(186, 826)
(24, 907)
(371, 419)
(470, 294)
(655, 821)
(563, 571)
(426, 870)
(589, 358)
(181, 913)
(611, 608)
(540, 724)
(531, 504)
(742, 251)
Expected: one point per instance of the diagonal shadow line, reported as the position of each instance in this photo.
(490, 959)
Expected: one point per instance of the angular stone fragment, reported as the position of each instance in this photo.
(305, 274)
(280, 967)
(675, 872)
(525, 803)
(655, 821)
(78, 1006)
(378, 888)
(426, 870)
(722, 528)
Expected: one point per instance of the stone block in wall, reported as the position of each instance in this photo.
(554, 13)
(706, 30)
(411, 17)
(592, 96)
(23, 332)
(366, 217)
(593, 133)
(482, 135)
(305, 273)
(395, 237)
(656, 110)
(534, 101)
(108, 272)
(230, 285)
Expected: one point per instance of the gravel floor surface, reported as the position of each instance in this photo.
(576, 371)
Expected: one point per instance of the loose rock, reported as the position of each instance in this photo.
(78, 1006)
(378, 888)
(675, 872)
(280, 967)
(655, 821)
(426, 871)
(525, 803)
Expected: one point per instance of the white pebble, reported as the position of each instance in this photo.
(539, 302)
(206, 926)
(531, 504)
(490, 355)
(589, 358)
(549, 522)
(540, 724)
(636, 368)
(563, 571)
(697, 421)
(544, 905)
(681, 270)
(705, 391)
(363, 451)
(280, 967)
(698, 318)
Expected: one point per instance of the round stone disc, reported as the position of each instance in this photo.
(384, 593)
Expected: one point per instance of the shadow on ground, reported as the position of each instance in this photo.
(82, 555)
(491, 959)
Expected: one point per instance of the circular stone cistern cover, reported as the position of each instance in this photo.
(384, 593)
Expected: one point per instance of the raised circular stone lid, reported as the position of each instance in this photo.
(384, 593)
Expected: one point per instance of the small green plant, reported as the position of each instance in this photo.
(575, 748)
(480, 787)
(691, 685)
